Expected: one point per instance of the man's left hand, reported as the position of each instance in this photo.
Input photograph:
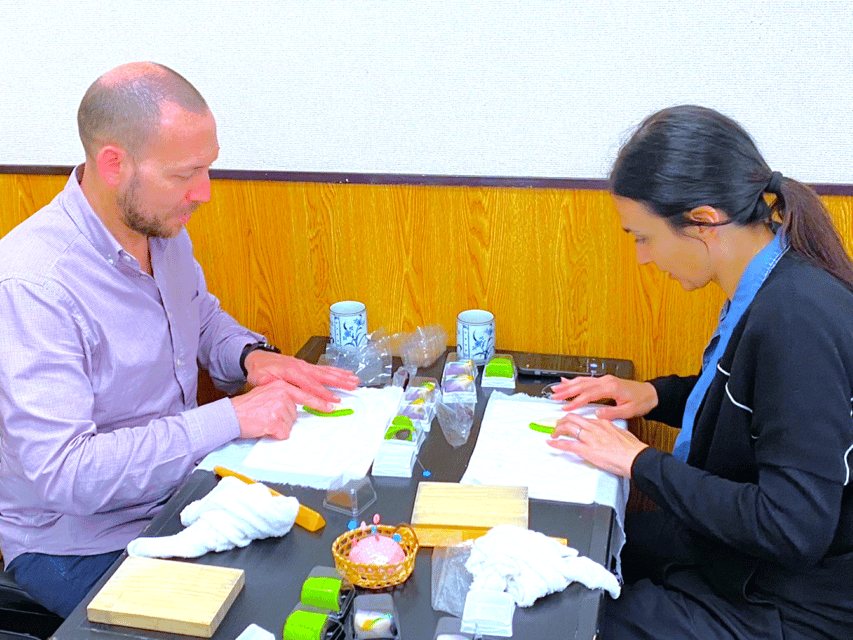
(264, 367)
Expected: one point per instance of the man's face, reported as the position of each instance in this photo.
(170, 179)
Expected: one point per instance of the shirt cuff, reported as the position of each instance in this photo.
(211, 425)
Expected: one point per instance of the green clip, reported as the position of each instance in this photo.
(337, 413)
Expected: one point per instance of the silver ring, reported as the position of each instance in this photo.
(578, 435)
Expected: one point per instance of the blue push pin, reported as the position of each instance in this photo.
(352, 525)
(426, 472)
(397, 538)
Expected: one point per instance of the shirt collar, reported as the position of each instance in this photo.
(758, 269)
(87, 221)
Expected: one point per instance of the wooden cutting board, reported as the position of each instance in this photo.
(165, 595)
(446, 513)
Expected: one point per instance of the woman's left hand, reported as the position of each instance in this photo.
(599, 442)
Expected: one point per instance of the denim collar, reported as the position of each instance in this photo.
(756, 273)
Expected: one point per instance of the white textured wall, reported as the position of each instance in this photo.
(535, 88)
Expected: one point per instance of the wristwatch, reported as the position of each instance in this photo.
(263, 346)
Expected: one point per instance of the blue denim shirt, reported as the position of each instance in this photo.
(756, 272)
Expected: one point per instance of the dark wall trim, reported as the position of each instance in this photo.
(395, 178)
(32, 169)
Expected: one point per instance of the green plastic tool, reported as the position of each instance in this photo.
(542, 428)
(337, 413)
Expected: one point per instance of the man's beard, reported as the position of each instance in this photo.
(136, 219)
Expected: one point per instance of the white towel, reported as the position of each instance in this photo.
(509, 453)
(528, 565)
(231, 515)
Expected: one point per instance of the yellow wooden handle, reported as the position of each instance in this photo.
(448, 536)
(306, 518)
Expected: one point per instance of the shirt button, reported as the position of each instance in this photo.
(179, 362)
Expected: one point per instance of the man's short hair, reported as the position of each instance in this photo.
(122, 107)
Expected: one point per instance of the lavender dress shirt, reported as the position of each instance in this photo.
(98, 377)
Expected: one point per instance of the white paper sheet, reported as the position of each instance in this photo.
(319, 448)
(509, 453)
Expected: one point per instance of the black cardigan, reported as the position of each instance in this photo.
(764, 504)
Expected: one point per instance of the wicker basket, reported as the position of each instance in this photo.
(374, 576)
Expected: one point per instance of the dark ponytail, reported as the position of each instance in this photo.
(687, 156)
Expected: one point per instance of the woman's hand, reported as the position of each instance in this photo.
(632, 398)
(599, 442)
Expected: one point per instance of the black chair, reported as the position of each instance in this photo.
(21, 617)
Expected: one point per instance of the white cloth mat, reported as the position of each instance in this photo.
(319, 449)
(231, 515)
(528, 565)
(509, 453)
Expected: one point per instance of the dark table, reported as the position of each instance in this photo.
(276, 567)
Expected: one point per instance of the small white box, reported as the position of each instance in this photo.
(489, 613)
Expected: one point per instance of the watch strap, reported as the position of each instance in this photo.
(252, 346)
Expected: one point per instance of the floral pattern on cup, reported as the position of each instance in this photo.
(348, 324)
(475, 335)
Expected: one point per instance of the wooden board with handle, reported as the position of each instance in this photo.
(166, 595)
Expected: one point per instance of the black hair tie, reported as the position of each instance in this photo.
(774, 185)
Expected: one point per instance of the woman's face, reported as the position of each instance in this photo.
(683, 255)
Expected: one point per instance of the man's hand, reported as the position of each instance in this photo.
(270, 409)
(265, 367)
(632, 398)
(280, 383)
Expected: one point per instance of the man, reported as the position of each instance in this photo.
(104, 318)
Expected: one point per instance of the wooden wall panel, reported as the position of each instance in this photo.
(554, 266)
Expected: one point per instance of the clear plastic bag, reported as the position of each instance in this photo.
(456, 420)
(371, 362)
(450, 579)
(423, 347)
(419, 348)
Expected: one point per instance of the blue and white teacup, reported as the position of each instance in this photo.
(475, 335)
(348, 324)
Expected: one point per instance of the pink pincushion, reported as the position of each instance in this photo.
(376, 549)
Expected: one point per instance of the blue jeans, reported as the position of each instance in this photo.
(59, 583)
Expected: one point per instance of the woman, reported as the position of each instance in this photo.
(754, 534)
